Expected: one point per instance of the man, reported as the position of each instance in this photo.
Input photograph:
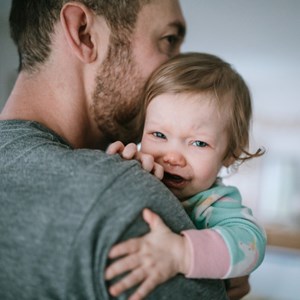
(83, 66)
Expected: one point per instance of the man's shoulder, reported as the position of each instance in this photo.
(38, 147)
(34, 154)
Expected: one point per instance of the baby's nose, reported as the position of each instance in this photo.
(174, 158)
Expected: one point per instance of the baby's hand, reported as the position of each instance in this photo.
(130, 151)
(150, 260)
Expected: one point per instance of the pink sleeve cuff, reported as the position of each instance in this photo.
(210, 257)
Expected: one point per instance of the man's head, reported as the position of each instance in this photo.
(142, 35)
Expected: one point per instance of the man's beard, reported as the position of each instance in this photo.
(117, 97)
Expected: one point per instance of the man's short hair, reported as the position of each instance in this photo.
(32, 24)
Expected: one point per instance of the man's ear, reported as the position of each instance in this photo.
(77, 21)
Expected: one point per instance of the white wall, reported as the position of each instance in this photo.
(261, 39)
(8, 54)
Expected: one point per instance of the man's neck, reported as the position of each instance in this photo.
(58, 105)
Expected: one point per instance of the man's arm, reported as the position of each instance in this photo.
(149, 192)
(118, 192)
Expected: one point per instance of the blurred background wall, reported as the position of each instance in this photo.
(8, 54)
(261, 39)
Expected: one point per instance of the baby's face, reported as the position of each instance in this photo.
(186, 134)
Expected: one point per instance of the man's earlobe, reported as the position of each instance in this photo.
(77, 21)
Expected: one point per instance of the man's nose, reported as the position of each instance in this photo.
(174, 158)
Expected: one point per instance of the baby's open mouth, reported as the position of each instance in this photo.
(171, 177)
(175, 182)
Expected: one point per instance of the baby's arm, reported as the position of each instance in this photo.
(237, 242)
(159, 255)
(130, 151)
(151, 259)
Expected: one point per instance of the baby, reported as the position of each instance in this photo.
(197, 118)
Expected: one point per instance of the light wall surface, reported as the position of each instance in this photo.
(8, 54)
(261, 39)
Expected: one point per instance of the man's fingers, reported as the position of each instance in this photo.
(127, 282)
(121, 266)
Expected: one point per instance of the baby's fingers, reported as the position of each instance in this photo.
(127, 282)
(114, 148)
(121, 266)
(124, 248)
(158, 171)
(130, 151)
(154, 221)
(147, 161)
(144, 289)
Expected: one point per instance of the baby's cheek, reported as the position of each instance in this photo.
(206, 178)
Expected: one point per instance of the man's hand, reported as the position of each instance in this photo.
(130, 151)
(237, 288)
(150, 260)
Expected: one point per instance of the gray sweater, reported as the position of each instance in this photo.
(62, 209)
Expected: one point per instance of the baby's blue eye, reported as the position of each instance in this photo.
(200, 144)
(159, 135)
